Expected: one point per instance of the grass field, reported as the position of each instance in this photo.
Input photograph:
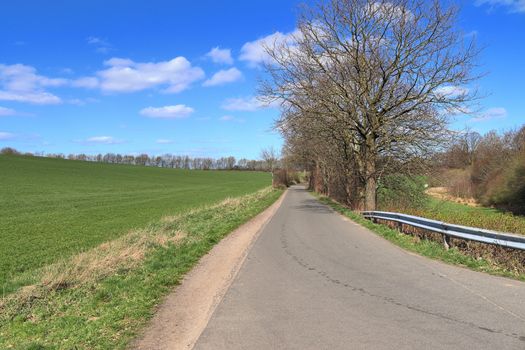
(462, 214)
(101, 298)
(52, 208)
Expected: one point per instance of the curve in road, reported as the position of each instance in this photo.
(316, 280)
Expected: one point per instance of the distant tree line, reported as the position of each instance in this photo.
(268, 162)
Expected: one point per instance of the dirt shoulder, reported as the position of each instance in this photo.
(184, 314)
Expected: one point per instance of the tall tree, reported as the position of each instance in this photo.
(374, 80)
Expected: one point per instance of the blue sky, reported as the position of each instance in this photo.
(180, 77)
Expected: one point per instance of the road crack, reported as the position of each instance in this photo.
(416, 308)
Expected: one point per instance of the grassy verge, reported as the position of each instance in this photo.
(462, 214)
(428, 248)
(99, 299)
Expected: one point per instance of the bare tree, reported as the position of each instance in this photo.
(270, 158)
(230, 163)
(375, 79)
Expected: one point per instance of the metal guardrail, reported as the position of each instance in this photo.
(449, 230)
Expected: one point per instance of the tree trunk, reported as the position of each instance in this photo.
(370, 185)
(312, 178)
(370, 194)
(360, 202)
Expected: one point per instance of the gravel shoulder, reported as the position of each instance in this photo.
(184, 314)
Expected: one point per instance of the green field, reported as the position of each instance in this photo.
(52, 208)
(100, 299)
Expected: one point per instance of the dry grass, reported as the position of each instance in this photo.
(235, 202)
(444, 193)
(121, 254)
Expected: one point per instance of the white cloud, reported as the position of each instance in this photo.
(164, 141)
(85, 82)
(452, 91)
(388, 10)
(6, 136)
(118, 62)
(254, 52)
(106, 140)
(167, 112)
(230, 118)
(513, 5)
(218, 55)
(249, 104)
(6, 111)
(242, 104)
(43, 98)
(19, 77)
(224, 76)
(96, 41)
(491, 113)
(82, 102)
(124, 75)
(21, 83)
(101, 45)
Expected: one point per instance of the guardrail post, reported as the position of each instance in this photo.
(446, 241)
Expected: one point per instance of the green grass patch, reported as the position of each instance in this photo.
(462, 214)
(53, 208)
(423, 247)
(105, 311)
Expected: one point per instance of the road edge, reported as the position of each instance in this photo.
(185, 312)
(407, 244)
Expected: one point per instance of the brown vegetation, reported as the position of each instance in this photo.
(444, 193)
(282, 178)
(489, 168)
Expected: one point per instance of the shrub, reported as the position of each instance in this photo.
(459, 183)
(509, 190)
(9, 151)
(397, 192)
(280, 178)
(283, 178)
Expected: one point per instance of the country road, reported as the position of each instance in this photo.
(314, 280)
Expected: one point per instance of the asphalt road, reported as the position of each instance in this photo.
(314, 280)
